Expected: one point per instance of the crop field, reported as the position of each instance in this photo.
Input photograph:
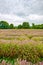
(21, 36)
(21, 45)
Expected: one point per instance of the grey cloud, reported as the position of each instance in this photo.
(21, 7)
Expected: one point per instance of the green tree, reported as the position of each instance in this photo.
(4, 25)
(33, 26)
(41, 26)
(11, 26)
(19, 26)
(25, 25)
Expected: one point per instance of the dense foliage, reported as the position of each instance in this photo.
(25, 25)
(4, 25)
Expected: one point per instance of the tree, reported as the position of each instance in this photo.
(33, 26)
(11, 26)
(4, 25)
(25, 25)
(41, 26)
(19, 26)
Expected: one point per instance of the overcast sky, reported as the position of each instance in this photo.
(17, 11)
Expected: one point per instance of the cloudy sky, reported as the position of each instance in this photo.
(17, 11)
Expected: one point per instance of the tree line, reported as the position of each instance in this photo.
(25, 25)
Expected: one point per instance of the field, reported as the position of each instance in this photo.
(24, 44)
(21, 36)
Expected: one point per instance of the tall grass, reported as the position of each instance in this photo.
(29, 52)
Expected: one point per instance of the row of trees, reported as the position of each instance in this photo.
(25, 25)
(5, 25)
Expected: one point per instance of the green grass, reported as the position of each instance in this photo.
(37, 38)
(29, 52)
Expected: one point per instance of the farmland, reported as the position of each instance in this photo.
(21, 36)
(24, 44)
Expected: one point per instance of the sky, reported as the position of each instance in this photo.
(18, 11)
